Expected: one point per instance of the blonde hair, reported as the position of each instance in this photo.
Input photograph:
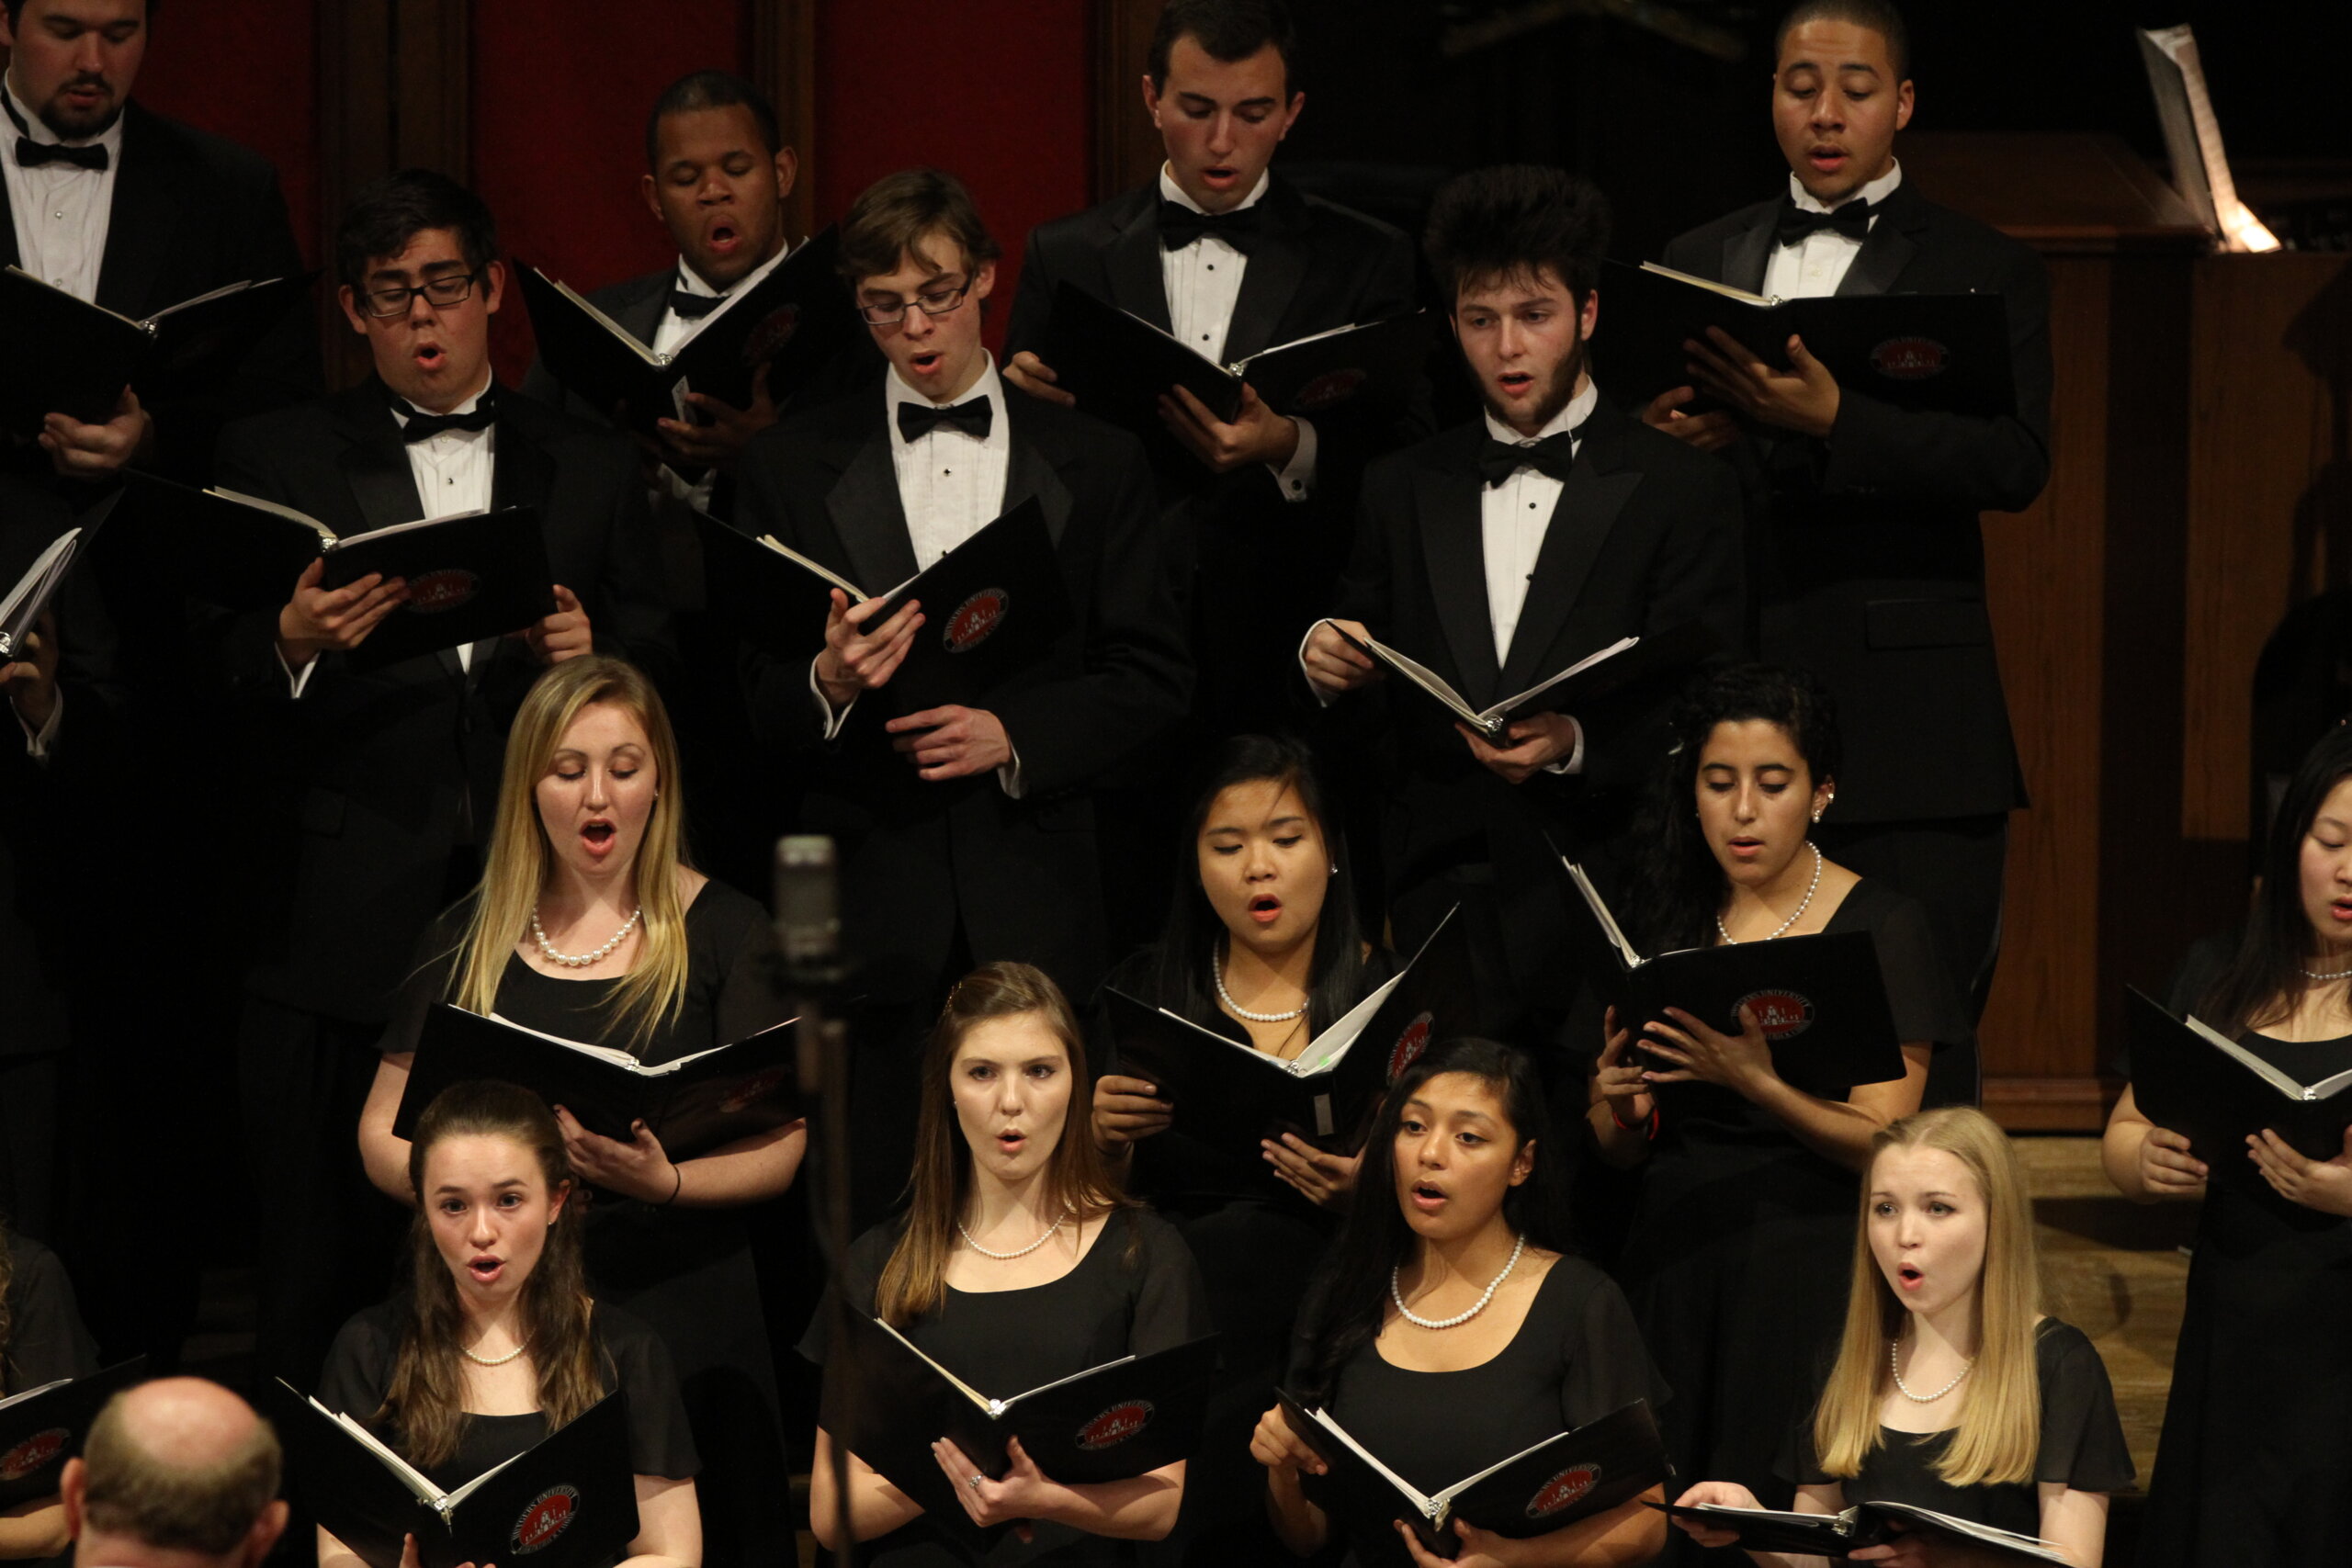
(522, 859)
(2000, 1413)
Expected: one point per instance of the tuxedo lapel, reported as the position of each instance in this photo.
(141, 224)
(1278, 265)
(1034, 471)
(1138, 284)
(641, 316)
(1596, 491)
(1746, 252)
(375, 461)
(1888, 248)
(866, 513)
(9, 255)
(520, 472)
(1446, 500)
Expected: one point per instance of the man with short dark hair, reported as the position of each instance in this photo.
(175, 1473)
(1870, 569)
(1499, 553)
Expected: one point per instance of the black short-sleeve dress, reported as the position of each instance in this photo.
(1738, 1257)
(686, 1273)
(46, 1340)
(2081, 1446)
(360, 1368)
(1134, 1291)
(1575, 1356)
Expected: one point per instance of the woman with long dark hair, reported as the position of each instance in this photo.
(2255, 1464)
(497, 1343)
(1453, 1327)
(1017, 1263)
(1741, 1238)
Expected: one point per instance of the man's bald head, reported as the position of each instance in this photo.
(178, 1465)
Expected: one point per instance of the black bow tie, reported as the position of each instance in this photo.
(973, 416)
(425, 427)
(1795, 226)
(1180, 226)
(693, 307)
(31, 154)
(1553, 456)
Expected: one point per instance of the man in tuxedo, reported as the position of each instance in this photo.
(966, 834)
(1868, 562)
(374, 788)
(1499, 553)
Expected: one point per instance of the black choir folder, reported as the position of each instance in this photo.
(1119, 366)
(22, 603)
(693, 1104)
(1120, 1419)
(1231, 1095)
(1594, 677)
(1864, 1524)
(794, 320)
(67, 356)
(2188, 1078)
(42, 1427)
(992, 606)
(570, 1502)
(1573, 1476)
(1821, 999)
(1948, 353)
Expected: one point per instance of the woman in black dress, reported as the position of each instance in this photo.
(1951, 1390)
(41, 1340)
(590, 925)
(1743, 1231)
(1261, 945)
(499, 1343)
(1016, 1263)
(2255, 1464)
(1451, 1329)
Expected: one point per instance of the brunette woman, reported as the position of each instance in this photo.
(589, 924)
(498, 1343)
(1453, 1328)
(1016, 1263)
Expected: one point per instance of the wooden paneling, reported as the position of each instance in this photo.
(1126, 144)
(782, 49)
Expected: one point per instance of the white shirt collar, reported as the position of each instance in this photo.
(688, 281)
(990, 386)
(402, 409)
(38, 129)
(1169, 190)
(1579, 408)
(1878, 190)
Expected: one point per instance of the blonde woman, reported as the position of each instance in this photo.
(589, 924)
(1017, 1263)
(1952, 1389)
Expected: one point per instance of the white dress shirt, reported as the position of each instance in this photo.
(672, 333)
(60, 212)
(1812, 268)
(1203, 282)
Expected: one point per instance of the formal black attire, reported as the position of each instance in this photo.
(368, 798)
(1644, 539)
(2081, 1446)
(46, 1340)
(1575, 1356)
(1742, 1238)
(1134, 1291)
(630, 1359)
(1867, 568)
(685, 1273)
(936, 876)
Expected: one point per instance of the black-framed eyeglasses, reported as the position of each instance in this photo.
(933, 302)
(450, 288)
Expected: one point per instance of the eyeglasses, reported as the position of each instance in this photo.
(450, 288)
(937, 303)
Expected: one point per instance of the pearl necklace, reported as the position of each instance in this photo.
(1895, 1365)
(1006, 1256)
(493, 1360)
(2315, 974)
(1812, 887)
(1216, 973)
(581, 961)
(1397, 1294)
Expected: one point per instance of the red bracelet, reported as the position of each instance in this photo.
(1647, 1128)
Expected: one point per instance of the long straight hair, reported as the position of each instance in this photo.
(1194, 936)
(1376, 1238)
(914, 1281)
(2264, 977)
(2000, 1413)
(7, 1316)
(522, 859)
(426, 1393)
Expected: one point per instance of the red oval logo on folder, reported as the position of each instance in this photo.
(1331, 387)
(435, 591)
(1409, 1045)
(1115, 1425)
(549, 1515)
(1563, 1489)
(751, 1090)
(1783, 1014)
(34, 1453)
(1910, 359)
(975, 619)
(767, 340)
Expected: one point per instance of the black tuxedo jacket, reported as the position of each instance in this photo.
(194, 212)
(369, 781)
(917, 856)
(1869, 561)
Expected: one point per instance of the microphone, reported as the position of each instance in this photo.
(808, 910)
